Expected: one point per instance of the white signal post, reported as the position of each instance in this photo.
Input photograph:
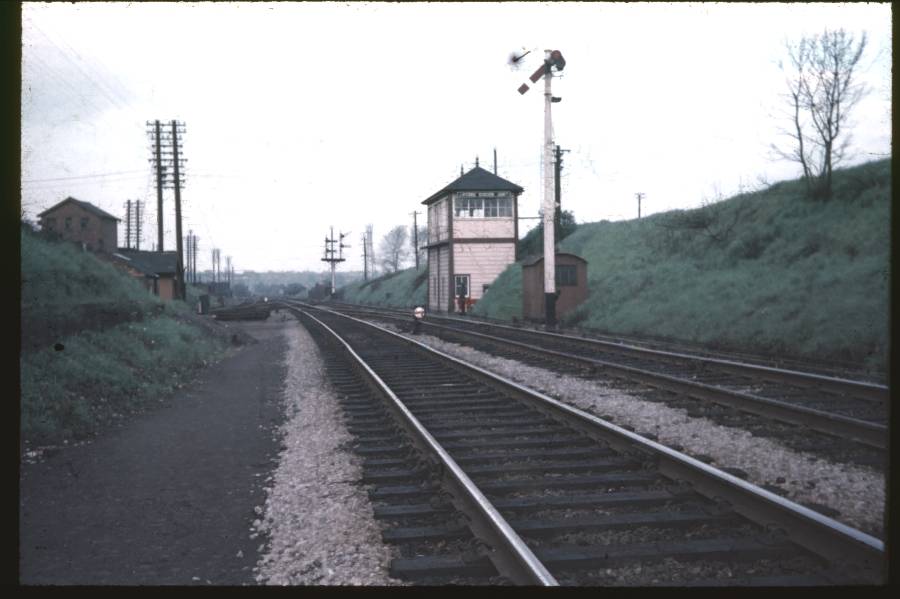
(548, 202)
(552, 58)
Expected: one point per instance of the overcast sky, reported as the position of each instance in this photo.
(304, 116)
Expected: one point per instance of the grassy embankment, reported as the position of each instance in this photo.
(96, 346)
(768, 272)
(765, 272)
(403, 289)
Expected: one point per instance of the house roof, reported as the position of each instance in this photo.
(151, 263)
(84, 205)
(532, 260)
(476, 179)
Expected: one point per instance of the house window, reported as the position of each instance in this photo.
(566, 276)
(68, 223)
(100, 243)
(50, 223)
(84, 223)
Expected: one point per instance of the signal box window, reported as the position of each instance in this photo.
(462, 285)
(84, 223)
(482, 207)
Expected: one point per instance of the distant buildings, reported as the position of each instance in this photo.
(472, 234)
(83, 223)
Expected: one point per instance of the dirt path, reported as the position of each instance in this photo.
(169, 498)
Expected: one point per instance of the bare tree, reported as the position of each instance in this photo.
(393, 249)
(821, 93)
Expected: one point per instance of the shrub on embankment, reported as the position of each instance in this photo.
(769, 272)
(401, 289)
(96, 346)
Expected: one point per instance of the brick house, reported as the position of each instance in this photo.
(83, 223)
(472, 235)
(155, 270)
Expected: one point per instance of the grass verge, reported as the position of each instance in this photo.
(100, 377)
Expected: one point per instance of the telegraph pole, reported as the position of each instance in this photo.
(138, 219)
(365, 244)
(194, 259)
(557, 215)
(371, 250)
(228, 269)
(215, 265)
(640, 196)
(166, 147)
(189, 273)
(128, 224)
(416, 238)
(177, 182)
(159, 186)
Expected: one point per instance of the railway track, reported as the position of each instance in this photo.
(478, 480)
(852, 411)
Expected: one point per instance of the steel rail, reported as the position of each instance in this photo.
(823, 536)
(868, 433)
(862, 389)
(518, 562)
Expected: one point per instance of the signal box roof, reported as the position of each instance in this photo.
(476, 179)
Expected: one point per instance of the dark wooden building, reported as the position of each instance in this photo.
(319, 292)
(155, 270)
(472, 234)
(83, 223)
(571, 285)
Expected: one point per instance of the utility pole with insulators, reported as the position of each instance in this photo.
(194, 258)
(128, 224)
(640, 196)
(156, 136)
(371, 251)
(552, 59)
(138, 221)
(165, 155)
(216, 263)
(415, 238)
(177, 182)
(189, 272)
(365, 244)
(557, 177)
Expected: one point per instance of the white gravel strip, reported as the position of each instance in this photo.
(317, 517)
(857, 492)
